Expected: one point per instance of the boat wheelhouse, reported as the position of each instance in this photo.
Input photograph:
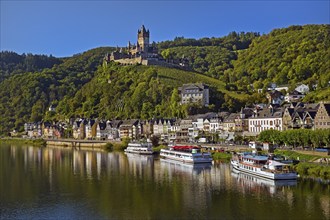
(262, 166)
(186, 154)
(139, 148)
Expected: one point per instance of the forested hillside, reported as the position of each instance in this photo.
(211, 56)
(234, 66)
(285, 56)
(12, 63)
(26, 97)
(141, 92)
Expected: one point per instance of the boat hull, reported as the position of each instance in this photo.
(192, 158)
(257, 171)
(140, 152)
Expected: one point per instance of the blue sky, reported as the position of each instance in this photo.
(64, 28)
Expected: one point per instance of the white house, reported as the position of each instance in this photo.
(194, 93)
(303, 88)
(265, 120)
(214, 125)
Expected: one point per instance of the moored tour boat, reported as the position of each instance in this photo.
(139, 148)
(262, 166)
(186, 154)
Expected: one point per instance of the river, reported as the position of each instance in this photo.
(61, 183)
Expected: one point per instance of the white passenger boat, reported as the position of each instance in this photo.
(186, 154)
(139, 148)
(262, 166)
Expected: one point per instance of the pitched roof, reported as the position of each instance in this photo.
(207, 115)
(312, 106)
(311, 114)
(231, 118)
(327, 108)
(295, 92)
(199, 86)
(291, 111)
(271, 113)
(102, 125)
(129, 122)
(275, 94)
(115, 123)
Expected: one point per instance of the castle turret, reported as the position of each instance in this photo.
(143, 39)
(129, 45)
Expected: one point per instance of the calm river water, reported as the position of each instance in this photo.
(57, 183)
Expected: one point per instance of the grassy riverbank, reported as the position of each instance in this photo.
(115, 146)
(307, 166)
(34, 142)
(222, 156)
(314, 170)
(299, 156)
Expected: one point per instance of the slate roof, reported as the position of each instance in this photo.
(231, 118)
(295, 92)
(102, 125)
(311, 114)
(312, 106)
(129, 122)
(291, 111)
(270, 113)
(208, 115)
(199, 86)
(327, 108)
(115, 123)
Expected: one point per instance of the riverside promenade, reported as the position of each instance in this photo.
(76, 143)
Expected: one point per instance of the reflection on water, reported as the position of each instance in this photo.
(255, 183)
(177, 166)
(63, 183)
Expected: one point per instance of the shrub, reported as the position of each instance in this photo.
(313, 170)
(108, 147)
(157, 149)
(223, 156)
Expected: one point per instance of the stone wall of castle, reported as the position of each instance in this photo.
(149, 62)
(131, 61)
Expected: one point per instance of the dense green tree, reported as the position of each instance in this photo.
(297, 137)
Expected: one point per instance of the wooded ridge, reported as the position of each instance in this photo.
(234, 66)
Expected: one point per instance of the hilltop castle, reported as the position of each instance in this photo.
(143, 53)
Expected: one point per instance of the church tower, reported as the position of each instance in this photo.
(143, 39)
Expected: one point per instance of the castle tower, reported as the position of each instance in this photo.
(143, 39)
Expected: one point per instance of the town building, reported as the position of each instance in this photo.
(302, 88)
(130, 129)
(293, 96)
(322, 117)
(195, 93)
(275, 97)
(266, 119)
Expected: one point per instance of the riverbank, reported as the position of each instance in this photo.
(313, 170)
(34, 142)
(312, 164)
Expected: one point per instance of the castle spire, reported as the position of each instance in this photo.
(143, 29)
